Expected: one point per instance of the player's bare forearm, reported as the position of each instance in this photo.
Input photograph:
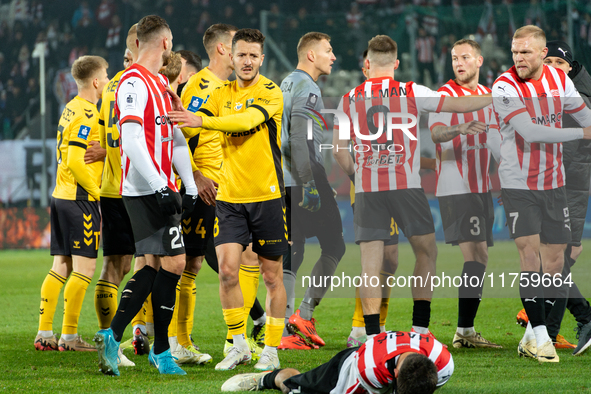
(466, 103)
(345, 161)
(444, 133)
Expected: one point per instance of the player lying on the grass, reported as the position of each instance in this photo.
(465, 200)
(388, 183)
(247, 112)
(74, 210)
(532, 175)
(312, 210)
(206, 153)
(393, 361)
(577, 167)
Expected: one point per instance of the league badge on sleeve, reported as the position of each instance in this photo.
(130, 101)
(83, 132)
(196, 103)
(312, 100)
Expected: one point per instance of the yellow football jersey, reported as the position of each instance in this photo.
(251, 169)
(205, 145)
(77, 126)
(109, 138)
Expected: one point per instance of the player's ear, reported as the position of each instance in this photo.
(395, 373)
(220, 48)
(95, 83)
(396, 64)
(480, 61)
(262, 58)
(366, 64)
(311, 55)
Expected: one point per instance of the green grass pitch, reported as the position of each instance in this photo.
(22, 369)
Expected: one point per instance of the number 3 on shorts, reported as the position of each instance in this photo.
(216, 228)
(514, 215)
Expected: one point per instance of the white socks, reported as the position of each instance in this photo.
(240, 341)
(261, 320)
(270, 350)
(421, 330)
(45, 334)
(69, 337)
(357, 332)
(466, 331)
(541, 334)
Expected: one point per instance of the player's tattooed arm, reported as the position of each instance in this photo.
(447, 133)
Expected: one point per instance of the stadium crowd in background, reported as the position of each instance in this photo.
(97, 27)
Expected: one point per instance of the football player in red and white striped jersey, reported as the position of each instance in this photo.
(530, 100)
(463, 183)
(386, 168)
(393, 361)
(150, 144)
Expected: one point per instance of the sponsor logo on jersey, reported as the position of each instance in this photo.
(312, 100)
(249, 102)
(83, 132)
(162, 120)
(238, 107)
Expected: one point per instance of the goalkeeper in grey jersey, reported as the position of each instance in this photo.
(311, 207)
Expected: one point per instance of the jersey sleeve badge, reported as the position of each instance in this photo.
(84, 132)
(196, 103)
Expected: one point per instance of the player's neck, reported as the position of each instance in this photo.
(471, 84)
(219, 69)
(151, 61)
(381, 73)
(88, 94)
(309, 69)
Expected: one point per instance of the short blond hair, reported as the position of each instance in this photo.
(85, 68)
(173, 68)
(531, 31)
(309, 39)
(131, 37)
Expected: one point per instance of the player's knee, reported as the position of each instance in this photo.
(272, 278)
(228, 276)
(335, 249)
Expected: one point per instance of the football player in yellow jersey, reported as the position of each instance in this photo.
(247, 112)
(207, 154)
(75, 215)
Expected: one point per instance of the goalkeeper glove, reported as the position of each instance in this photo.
(167, 201)
(311, 198)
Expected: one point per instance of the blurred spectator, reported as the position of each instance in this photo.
(493, 71)
(535, 15)
(115, 44)
(425, 45)
(251, 16)
(487, 24)
(82, 23)
(354, 17)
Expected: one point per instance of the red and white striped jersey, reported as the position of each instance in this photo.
(372, 357)
(384, 164)
(463, 163)
(141, 97)
(425, 49)
(533, 166)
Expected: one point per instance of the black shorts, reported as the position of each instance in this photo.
(374, 212)
(198, 229)
(543, 212)
(394, 231)
(117, 231)
(75, 227)
(265, 220)
(302, 223)
(322, 379)
(154, 232)
(467, 217)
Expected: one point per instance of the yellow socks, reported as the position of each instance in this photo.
(73, 297)
(185, 307)
(274, 330)
(172, 328)
(358, 320)
(249, 285)
(105, 302)
(50, 292)
(234, 320)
